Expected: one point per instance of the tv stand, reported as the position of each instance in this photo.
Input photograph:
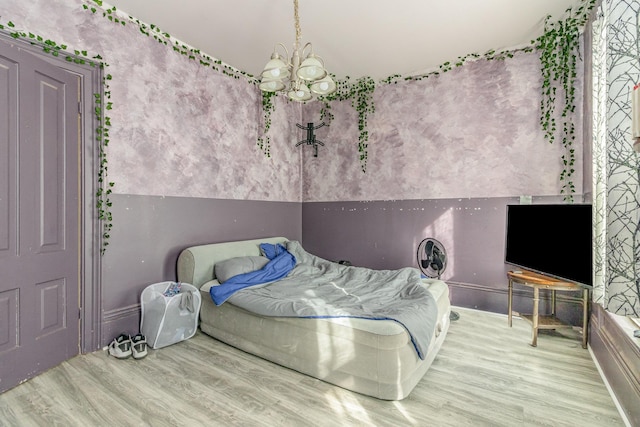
(537, 321)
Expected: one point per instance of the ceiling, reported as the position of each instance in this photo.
(355, 38)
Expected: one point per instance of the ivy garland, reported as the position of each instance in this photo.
(164, 38)
(559, 48)
(103, 203)
(558, 60)
(264, 141)
(361, 95)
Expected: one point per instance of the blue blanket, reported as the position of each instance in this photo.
(280, 264)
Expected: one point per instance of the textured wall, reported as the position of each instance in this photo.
(386, 235)
(153, 230)
(446, 155)
(178, 128)
(471, 132)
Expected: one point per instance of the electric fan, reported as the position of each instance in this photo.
(432, 257)
(432, 261)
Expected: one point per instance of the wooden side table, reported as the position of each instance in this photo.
(537, 321)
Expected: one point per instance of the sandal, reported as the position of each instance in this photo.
(120, 347)
(139, 346)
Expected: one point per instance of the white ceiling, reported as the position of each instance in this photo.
(355, 38)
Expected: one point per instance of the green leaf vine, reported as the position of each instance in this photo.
(164, 38)
(105, 188)
(360, 93)
(102, 106)
(103, 204)
(268, 107)
(559, 48)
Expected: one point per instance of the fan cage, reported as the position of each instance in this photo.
(432, 257)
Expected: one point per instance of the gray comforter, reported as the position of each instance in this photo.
(317, 288)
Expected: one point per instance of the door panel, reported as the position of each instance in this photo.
(39, 269)
(8, 320)
(51, 150)
(8, 150)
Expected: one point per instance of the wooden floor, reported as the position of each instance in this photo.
(485, 375)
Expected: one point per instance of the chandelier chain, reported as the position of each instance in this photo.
(301, 77)
(296, 18)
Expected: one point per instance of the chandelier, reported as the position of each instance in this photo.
(302, 80)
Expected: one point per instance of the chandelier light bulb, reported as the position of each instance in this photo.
(271, 85)
(324, 86)
(275, 72)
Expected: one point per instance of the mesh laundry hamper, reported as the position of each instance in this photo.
(170, 313)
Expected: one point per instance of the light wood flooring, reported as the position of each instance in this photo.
(486, 374)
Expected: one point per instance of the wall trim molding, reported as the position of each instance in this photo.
(122, 320)
(121, 313)
(619, 359)
(518, 292)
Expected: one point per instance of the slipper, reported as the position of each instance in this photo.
(120, 347)
(139, 346)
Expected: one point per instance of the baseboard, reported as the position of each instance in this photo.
(619, 361)
(121, 320)
(616, 402)
(495, 299)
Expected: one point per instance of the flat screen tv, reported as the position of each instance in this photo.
(552, 239)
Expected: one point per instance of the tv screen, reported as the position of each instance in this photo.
(551, 239)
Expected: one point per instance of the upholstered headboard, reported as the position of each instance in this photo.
(195, 264)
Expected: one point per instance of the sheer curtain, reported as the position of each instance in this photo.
(615, 70)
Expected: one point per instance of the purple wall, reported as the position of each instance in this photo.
(183, 152)
(445, 154)
(386, 234)
(151, 231)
